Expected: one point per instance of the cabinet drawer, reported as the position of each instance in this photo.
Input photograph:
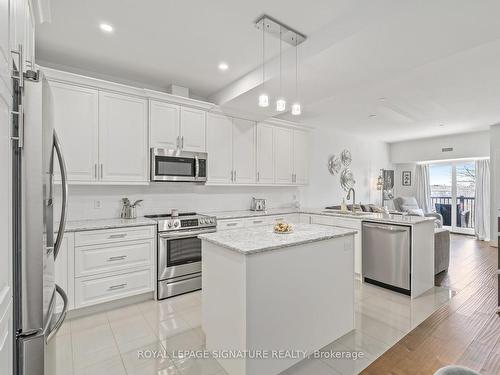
(289, 218)
(91, 260)
(256, 221)
(90, 291)
(230, 224)
(101, 236)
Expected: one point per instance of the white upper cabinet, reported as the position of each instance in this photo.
(75, 115)
(192, 130)
(243, 151)
(173, 126)
(265, 154)
(283, 144)
(164, 124)
(219, 148)
(300, 157)
(123, 146)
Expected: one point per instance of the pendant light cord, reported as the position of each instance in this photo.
(281, 52)
(296, 70)
(263, 54)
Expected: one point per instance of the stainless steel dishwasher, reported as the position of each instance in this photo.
(386, 256)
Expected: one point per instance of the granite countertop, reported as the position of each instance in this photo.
(91, 224)
(382, 218)
(259, 239)
(241, 214)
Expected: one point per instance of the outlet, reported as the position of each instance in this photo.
(97, 204)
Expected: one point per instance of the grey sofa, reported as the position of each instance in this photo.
(441, 235)
(405, 204)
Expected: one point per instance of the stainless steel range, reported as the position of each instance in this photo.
(179, 251)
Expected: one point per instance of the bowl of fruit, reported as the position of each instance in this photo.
(283, 228)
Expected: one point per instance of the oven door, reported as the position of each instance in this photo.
(179, 253)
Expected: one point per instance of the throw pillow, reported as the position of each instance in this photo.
(416, 212)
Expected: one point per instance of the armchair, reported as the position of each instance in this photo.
(408, 204)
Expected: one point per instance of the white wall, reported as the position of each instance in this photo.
(495, 181)
(466, 145)
(162, 197)
(399, 189)
(368, 157)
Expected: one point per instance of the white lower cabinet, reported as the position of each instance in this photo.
(6, 340)
(225, 224)
(346, 223)
(64, 270)
(93, 290)
(103, 265)
(97, 259)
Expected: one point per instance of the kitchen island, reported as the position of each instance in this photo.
(270, 299)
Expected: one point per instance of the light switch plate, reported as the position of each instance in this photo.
(97, 204)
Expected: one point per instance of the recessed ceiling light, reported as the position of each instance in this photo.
(373, 115)
(223, 66)
(441, 124)
(106, 27)
(383, 99)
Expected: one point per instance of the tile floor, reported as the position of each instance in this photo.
(108, 343)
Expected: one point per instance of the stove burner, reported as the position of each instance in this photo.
(160, 216)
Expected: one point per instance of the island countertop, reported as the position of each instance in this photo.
(259, 239)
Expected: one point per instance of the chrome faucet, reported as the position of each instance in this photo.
(353, 209)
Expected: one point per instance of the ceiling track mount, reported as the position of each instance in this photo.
(276, 28)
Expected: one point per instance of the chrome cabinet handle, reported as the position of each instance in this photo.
(121, 235)
(258, 176)
(182, 142)
(116, 287)
(231, 224)
(118, 257)
(235, 176)
(258, 221)
(102, 173)
(64, 195)
(95, 171)
(60, 321)
(20, 126)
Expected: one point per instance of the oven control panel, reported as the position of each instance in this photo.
(187, 223)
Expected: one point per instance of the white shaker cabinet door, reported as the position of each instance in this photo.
(164, 123)
(193, 129)
(243, 151)
(64, 270)
(283, 155)
(75, 116)
(300, 157)
(123, 146)
(265, 154)
(219, 148)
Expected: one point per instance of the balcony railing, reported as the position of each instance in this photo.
(466, 208)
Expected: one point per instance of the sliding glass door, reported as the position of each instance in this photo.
(453, 194)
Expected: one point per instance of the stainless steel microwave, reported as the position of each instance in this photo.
(178, 165)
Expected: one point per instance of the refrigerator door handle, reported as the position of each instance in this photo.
(64, 184)
(60, 321)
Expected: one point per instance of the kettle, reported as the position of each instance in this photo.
(258, 204)
(128, 209)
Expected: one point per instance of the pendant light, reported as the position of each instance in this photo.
(263, 98)
(281, 102)
(296, 110)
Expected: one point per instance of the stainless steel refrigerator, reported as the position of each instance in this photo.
(36, 242)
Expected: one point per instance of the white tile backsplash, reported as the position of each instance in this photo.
(162, 197)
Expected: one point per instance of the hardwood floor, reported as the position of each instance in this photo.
(466, 331)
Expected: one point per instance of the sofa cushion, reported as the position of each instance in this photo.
(415, 212)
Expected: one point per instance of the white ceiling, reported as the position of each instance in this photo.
(434, 62)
